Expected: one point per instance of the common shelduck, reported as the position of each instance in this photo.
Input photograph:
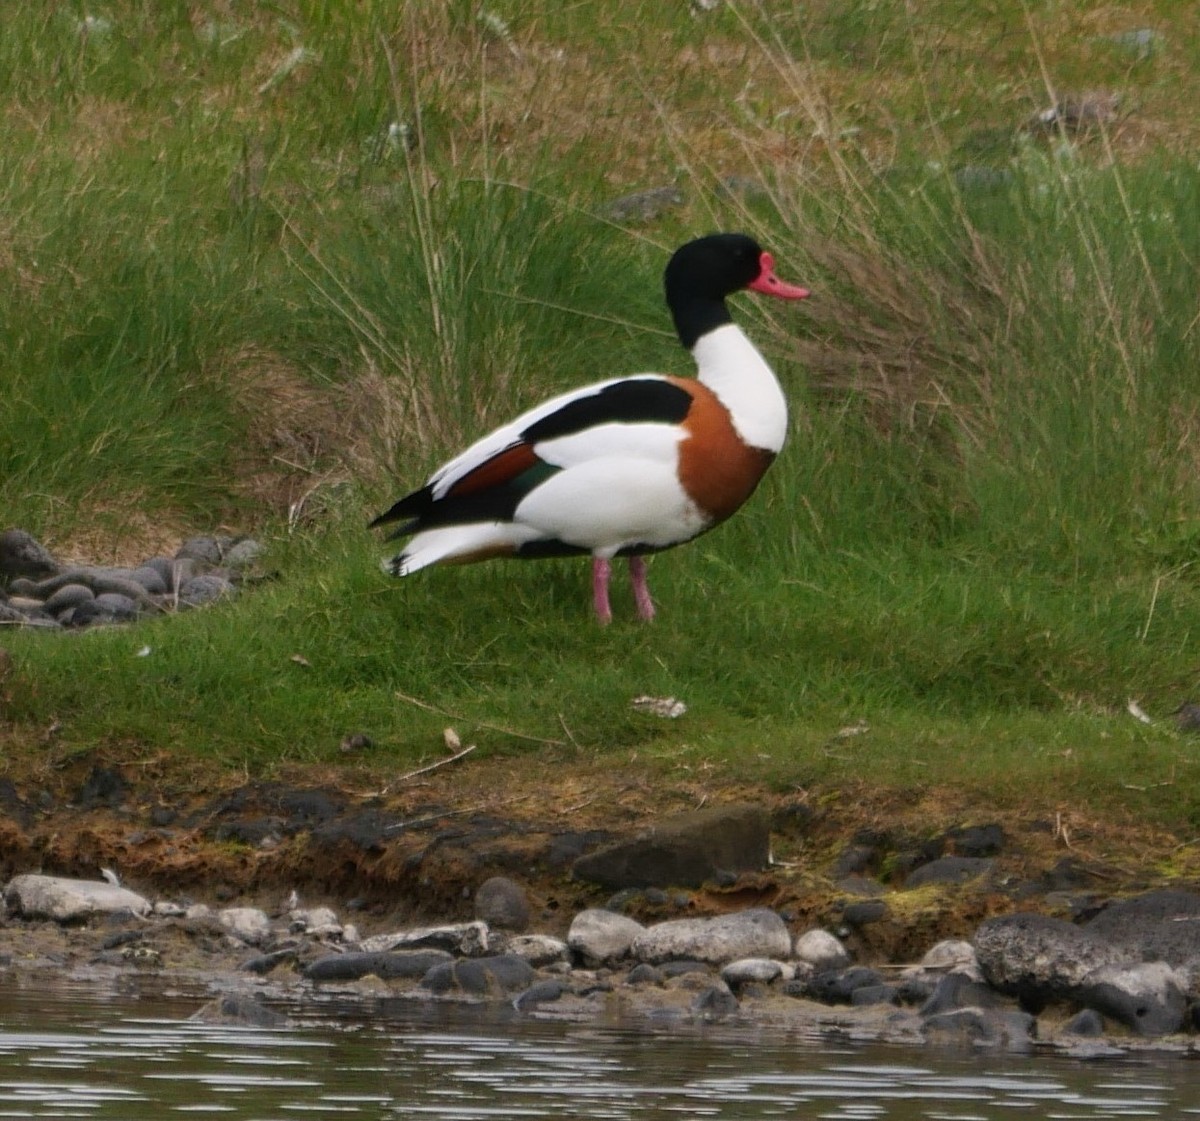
(627, 466)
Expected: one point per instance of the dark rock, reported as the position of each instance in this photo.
(1040, 959)
(161, 815)
(502, 903)
(12, 804)
(976, 840)
(207, 550)
(684, 850)
(1015, 1031)
(103, 787)
(367, 830)
(243, 1010)
(504, 973)
(22, 556)
(305, 807)
(565, 848)
(955, 991)
(948, 870)
(1088, 1023)
(838, 986)
(150, 579)
(120, 608)
(715, 1003)
(854, 860)
(263, 964)
(645, 974)
(85, 614)
(544, 992)
(69, 595)
(1156, 926)
(386, 966)
(204, 589)
(1187, 717)
(916, 988)
(864, 913)
(122, 938)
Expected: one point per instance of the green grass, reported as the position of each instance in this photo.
(280, 263)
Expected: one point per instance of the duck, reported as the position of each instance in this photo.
(624, 467)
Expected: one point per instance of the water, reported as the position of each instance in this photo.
(82, 1053)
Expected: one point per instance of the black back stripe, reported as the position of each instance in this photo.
(629, 401)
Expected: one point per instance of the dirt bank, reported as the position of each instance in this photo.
(416, 848)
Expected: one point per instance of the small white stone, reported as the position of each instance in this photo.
(952, 956)
(745, 970)
(600, 936)
(758, 932)
(538, 949)
(66, 900)
(247, 923)
(821, 950)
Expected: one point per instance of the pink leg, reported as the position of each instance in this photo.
(601, 571)
(641, 590)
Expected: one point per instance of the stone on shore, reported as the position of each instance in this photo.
(1150, 997)
(1040, 959)
(65, 900)
(758, 932)
(1156, 926)
(602, 937)
(684, 850)
(502, 904)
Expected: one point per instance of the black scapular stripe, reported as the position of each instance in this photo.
(629, 401)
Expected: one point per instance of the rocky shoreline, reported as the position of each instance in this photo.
(706, 926)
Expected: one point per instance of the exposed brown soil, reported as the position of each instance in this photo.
(418, 851)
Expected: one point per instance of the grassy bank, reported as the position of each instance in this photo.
(265, 271)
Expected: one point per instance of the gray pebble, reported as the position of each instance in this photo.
(69, 595)
(21, 555)
(243, 553)
(502, 903)
(205, 588)
(122, 608)
(207, 550)
(150, 579)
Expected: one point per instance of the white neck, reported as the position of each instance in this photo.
(730, 365)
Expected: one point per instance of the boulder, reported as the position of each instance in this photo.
(761, 971)
(822, 950)
(1040, 959)
(1148, 997)
(684, 850)
(247, 923)
(601, 937)
(758, 932)
(538, 949)
(1156, 926)
(386, 966)
(66, 900)
(502, 904)
(490, 976)
(469, 939)
(949, 870)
